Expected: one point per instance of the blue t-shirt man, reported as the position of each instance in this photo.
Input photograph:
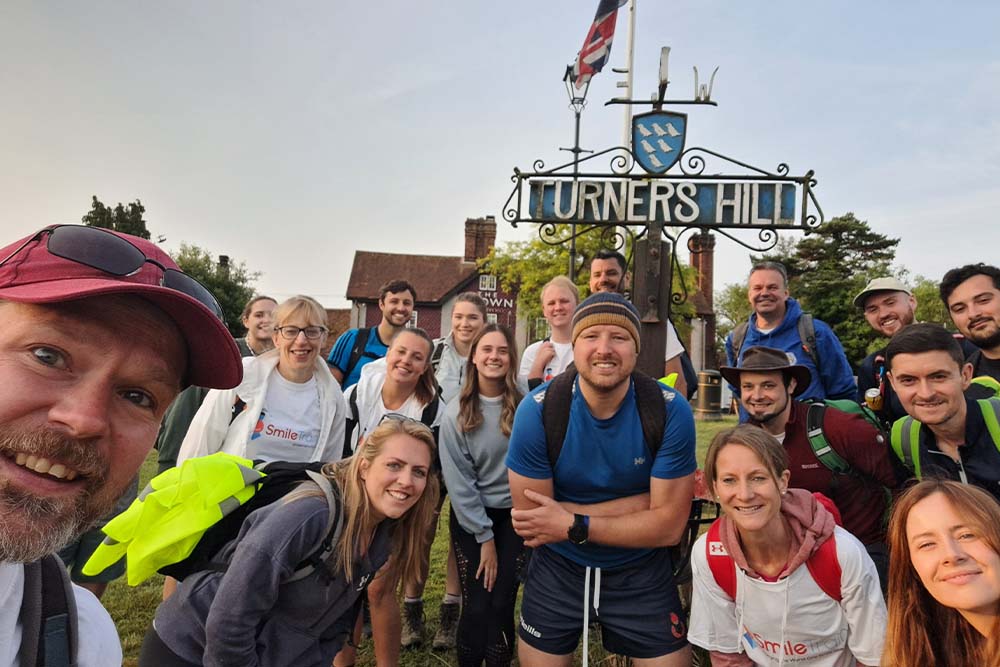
(600, 518)
(340, 354)
(601, 460)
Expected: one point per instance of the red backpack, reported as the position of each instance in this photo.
(823, 564)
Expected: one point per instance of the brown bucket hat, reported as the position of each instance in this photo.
(763, 359)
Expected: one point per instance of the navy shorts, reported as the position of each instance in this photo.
(638, 609)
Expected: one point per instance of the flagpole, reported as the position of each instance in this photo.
(627, 125)
(629, 60)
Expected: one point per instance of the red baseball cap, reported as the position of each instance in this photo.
(31, 272)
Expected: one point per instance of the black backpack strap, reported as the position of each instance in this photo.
(556, 401)
(49, 628)
(430, 411)
(239, 405)
(974, 359)
(807, 335)
(352, 420)
(739, 335)
(358, 350)
(650, 400)
(436, 354)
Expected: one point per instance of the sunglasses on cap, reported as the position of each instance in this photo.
(99, 249)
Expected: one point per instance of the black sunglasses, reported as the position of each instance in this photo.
(100, 249)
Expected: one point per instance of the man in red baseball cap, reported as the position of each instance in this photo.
(101, 331)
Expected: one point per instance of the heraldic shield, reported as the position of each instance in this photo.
(658, 139)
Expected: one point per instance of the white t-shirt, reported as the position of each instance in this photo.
(288, 426)
(558, 363)
(792, 616)
(368, 396)
(98, 639)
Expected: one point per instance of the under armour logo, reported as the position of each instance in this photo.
(364, 580)
(716, 549)
(639, 460)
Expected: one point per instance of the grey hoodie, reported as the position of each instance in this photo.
(249, 616)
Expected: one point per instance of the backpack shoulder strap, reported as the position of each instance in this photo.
(739, 335)
(334, 526)
(437, 353)
(905, 441)
(556, 402)
(974, 358)
(650, 400)
(352, 420)
(719, 561)
(358, 349)
(824, 566)
(49, 627)
(990, 408)
(807, 335)
(430, 411)
(817, 439)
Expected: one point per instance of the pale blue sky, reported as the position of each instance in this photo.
(291, 134)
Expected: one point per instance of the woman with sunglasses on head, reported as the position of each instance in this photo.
(257, 612)
(400, 384)
(287, 408)
(776, 581)
(944, 577)
(475, 432)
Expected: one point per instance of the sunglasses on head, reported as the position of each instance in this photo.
(397, 417)
(100, 249)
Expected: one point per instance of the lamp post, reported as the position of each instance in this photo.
(577, 101)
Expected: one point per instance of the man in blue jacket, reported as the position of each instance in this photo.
(777, 321)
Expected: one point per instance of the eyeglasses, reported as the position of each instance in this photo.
(100, 249)
(291, 333)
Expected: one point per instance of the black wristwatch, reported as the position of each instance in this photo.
(580, 529)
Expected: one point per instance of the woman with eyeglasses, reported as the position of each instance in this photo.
(400, 384)
(944, 577)
(475, 432)
(287, 408)
(255, 612)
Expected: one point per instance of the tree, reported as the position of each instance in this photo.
(126, 219)
(930, 308)
(731, 308)
(525, 266)
(231, 283)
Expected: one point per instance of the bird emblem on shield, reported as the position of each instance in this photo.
(658, 139)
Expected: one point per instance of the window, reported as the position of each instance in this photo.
(491, 318)
(487, 283)
(413, 320)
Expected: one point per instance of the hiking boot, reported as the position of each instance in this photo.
(413, 624)
(444, 638)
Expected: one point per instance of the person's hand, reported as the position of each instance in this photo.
(546, 353)
(545, 524)
(488, 564)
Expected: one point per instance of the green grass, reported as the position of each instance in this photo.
(132, 608)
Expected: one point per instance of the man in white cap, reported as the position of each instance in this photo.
(888, 306)
(101, 331)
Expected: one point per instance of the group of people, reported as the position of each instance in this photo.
(571, 456)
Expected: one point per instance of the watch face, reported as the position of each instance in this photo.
(578, 531)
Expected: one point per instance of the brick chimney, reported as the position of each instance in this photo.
(480, 237)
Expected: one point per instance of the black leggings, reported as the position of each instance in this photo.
(486, 627)
(154, 653)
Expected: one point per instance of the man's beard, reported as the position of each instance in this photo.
(985, 341)
(31, 525)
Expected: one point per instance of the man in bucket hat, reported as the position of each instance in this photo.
(101, 331)
(769, 382)
(600, 550)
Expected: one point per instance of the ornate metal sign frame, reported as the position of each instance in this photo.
(692, 163)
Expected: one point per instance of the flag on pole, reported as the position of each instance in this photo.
(597, 46)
